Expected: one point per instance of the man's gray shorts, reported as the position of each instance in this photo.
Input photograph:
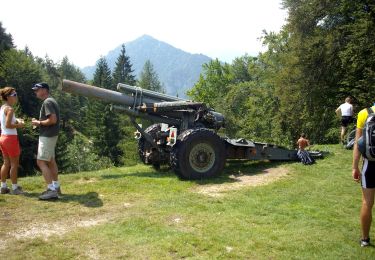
(46, 148)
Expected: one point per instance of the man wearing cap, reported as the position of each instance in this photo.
(48, 123)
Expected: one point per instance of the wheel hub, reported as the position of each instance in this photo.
(202, 157)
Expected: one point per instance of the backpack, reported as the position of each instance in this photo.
(366, 144)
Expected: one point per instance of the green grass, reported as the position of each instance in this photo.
(135, 212)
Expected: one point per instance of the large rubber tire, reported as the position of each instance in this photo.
(142, 142)
(198, 153)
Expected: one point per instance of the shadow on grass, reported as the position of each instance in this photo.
(240, 168)
(233, 167)
(164, 172)
(90, 199)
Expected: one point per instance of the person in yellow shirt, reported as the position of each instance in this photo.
(367, 178)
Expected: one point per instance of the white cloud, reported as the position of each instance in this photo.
(84, 30)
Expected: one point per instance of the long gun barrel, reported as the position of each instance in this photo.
(95, 92)
(158, 107)
(110, 96)
(159, 97)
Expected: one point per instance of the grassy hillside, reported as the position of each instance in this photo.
(308, 212)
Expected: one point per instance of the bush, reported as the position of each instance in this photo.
(80, 156)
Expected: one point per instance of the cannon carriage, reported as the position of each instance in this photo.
(184, 134)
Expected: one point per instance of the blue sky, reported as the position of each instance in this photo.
(85, 30)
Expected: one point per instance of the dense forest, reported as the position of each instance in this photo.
(324, 53)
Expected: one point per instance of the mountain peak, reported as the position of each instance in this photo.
(178, 70)
(145, 37)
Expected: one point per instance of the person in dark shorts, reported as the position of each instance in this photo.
(346, 112)
(367, 179)
(346, 120)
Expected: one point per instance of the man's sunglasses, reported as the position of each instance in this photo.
(13, 94)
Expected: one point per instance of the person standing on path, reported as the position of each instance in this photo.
(49, 126)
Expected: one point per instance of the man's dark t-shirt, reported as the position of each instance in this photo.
(49, 107)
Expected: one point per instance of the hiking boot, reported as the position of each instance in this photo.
(17, 191)
(365, 242)
(5, 190)
(49, 195)
(44, 192)
(58, 190)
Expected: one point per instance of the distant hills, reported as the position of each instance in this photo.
(178, 70)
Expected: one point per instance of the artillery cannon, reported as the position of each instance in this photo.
(184, 133)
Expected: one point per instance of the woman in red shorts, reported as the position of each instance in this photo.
(9, 140)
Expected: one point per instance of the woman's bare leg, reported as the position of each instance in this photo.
(14, 163)
(5, 169)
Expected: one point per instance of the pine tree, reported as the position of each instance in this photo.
(149, 79)
(6, 43)
(106, 128)
(6, 40)
(72, 113)
(123, 72)
(102, 75)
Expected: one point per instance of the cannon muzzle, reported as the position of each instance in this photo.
(106, 95)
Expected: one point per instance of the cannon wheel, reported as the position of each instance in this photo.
(143, 144)
(198, 153)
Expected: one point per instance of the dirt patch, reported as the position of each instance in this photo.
(44, 230)
(242, 180)
(173, 220)
(37, 229)
(93, 253)
(86, 180)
